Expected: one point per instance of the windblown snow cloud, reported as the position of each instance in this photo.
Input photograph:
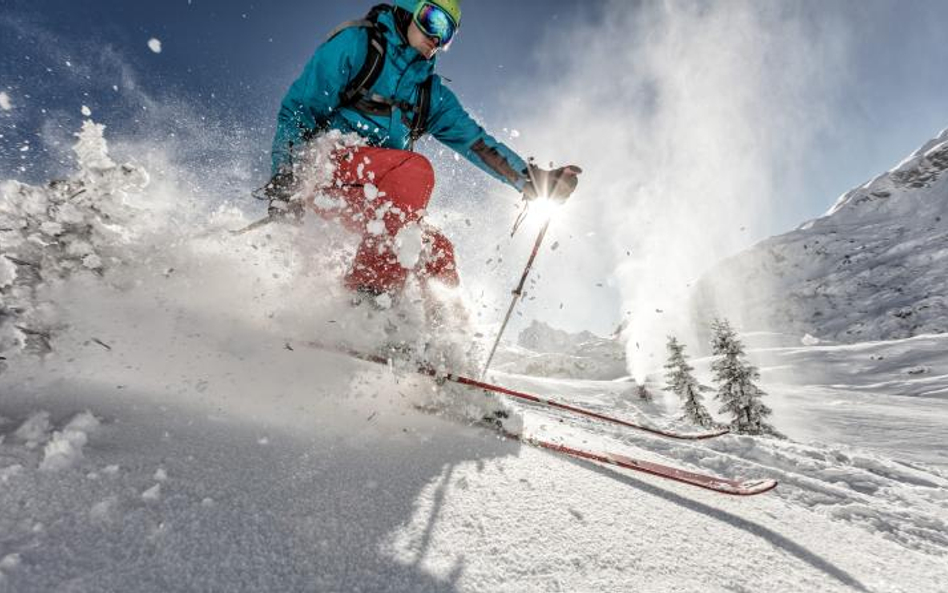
(689, 118)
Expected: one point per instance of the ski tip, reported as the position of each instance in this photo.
(713, 434)
(752, 487)
(700, 436)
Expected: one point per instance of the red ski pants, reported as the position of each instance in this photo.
(383, 190)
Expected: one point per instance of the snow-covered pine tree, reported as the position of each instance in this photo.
(739, 395)
(682, 383)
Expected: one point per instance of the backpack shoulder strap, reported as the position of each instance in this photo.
(419, 123)
(371, 69)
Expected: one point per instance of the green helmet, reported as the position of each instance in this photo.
(452, 7)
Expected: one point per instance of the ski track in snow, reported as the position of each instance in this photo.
(906, 502)
(159, 431)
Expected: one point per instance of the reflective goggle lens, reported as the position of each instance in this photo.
(435, 22)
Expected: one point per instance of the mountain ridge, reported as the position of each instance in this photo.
(871, 268)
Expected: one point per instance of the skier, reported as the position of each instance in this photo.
(375, 77)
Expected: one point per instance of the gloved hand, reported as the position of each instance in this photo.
(556, 184)
(280, 190)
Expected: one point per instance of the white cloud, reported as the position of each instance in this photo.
(154, 45)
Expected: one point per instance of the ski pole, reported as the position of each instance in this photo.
(518, 292)
(269, 219)
(260, 194)
(254, 226)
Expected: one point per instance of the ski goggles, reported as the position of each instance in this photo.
(435, 22)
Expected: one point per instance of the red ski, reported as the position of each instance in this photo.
(708, 482)
(715, 483)
(429, 371)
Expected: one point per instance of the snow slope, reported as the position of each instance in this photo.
(165, 428)
(322, 490)
(871, 268)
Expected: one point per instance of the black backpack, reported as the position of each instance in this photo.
(358, 94)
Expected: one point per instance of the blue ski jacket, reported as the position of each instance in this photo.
(313, 104)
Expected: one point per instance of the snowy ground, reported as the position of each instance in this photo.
(320, 494)
(179, 435)
(889, 397)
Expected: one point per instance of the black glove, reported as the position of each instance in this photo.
(557, 184)
(280, 190)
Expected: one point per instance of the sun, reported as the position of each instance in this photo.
(545, 208)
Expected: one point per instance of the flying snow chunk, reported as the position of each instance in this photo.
(409, 243)
(375, 227)
(86, 111)
(371, 192)
(5, 102)
(154, 45)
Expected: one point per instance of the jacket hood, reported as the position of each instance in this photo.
(396, 34)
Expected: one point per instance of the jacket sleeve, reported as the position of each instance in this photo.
(311, 100)
(454, 127)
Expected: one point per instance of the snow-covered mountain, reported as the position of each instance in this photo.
(545, 351)
(540, 337)
(875, 266)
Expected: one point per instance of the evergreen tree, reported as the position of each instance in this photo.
(739, 395)
(682, 383)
